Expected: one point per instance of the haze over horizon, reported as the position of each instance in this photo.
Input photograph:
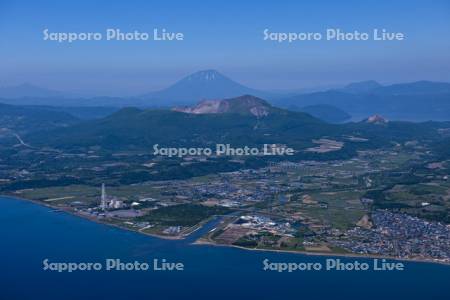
(236, 49)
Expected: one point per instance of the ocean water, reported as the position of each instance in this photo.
(30, 233)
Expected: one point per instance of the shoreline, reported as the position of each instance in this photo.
(329, 254)
(201, 241)
(96, 220)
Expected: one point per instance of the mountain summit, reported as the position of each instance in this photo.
(376, 119)
(202, 85)
(206, 75)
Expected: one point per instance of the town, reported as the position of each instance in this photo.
(334, 206)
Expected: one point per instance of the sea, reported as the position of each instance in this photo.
(31, 234)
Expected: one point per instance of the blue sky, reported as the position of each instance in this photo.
(222, 35)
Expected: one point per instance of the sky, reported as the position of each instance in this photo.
(222, 35)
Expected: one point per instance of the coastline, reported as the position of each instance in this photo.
(329, 254)
(201, 241)
(96, 220)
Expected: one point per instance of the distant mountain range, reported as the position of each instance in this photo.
(416, 101)
(362, 87)
(202, 85)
